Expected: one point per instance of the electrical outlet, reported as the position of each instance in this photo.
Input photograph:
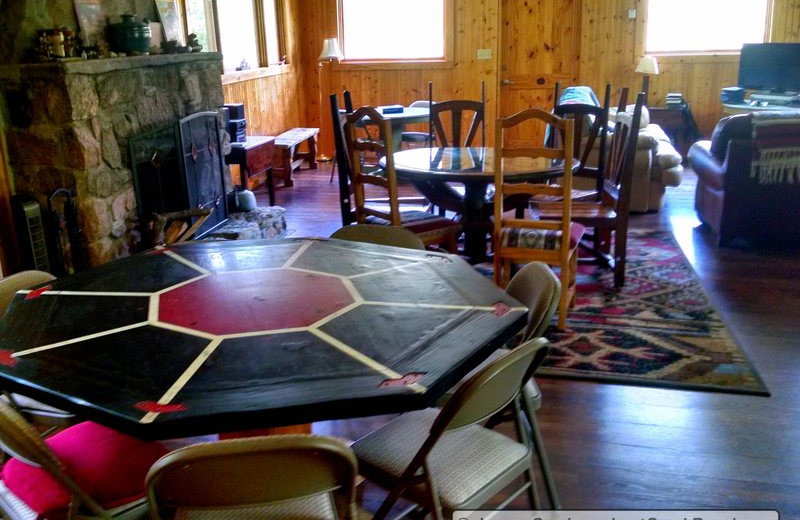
(631, 14)
(484, 54)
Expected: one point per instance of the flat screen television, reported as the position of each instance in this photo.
(770, 66)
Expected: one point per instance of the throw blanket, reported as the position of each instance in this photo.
(573, 96)
(580, 94)
(776, 148)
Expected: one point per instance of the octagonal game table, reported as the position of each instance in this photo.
(208, 337)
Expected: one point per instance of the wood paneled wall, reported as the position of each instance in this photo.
(611, 47)
(476, 26)
(608, 42)
(274, 103)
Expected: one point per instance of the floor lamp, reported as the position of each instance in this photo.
(647, 65)
(330, 53)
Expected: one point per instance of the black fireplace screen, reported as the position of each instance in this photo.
(179, 167)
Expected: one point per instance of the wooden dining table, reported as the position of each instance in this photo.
(209, 337)
(438, 174)
(398, 120)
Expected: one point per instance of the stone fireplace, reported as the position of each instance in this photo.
(70, 123)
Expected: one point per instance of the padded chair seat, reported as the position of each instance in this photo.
(109, 466)
(584, 212)
(549, 239)
(26, 403)
(318, 507)
(421, 223)
(11, 502)
(414, 137)
(463, 462)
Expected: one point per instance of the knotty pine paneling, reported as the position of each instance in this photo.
(273, 104)
(610, 50)
(476, 26)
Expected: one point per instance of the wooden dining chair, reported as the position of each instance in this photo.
(445, 460)
(609, 216)
(520, 240)
(86, 471)
(342, 160)
(432, 229)
(451, 131)
(279, 476)
(591, 127)
(48, 418)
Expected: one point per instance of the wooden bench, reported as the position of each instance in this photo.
(287, 158)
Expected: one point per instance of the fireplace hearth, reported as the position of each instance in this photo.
(71, 123)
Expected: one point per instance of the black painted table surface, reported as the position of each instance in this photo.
(431, 169)
(206, 337)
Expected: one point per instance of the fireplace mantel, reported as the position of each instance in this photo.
(70, 124)
(77, 66)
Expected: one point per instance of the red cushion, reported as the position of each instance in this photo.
(109, 466)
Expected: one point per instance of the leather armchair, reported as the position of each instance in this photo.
(731, 201)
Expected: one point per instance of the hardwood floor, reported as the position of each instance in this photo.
(614, 446)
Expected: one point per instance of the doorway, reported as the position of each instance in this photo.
(539, 46)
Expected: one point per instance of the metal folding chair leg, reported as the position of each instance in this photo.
(541, 454)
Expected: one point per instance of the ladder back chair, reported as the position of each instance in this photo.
(432, 229)
(521, 240)
(609, 216)
(279, 477)
(591, 126)
(444, 460)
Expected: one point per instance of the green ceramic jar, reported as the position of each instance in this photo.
(131, 36)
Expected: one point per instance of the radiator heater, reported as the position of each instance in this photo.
(31, 234)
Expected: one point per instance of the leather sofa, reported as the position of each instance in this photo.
(734, 202)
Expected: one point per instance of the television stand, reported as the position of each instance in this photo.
(759, 101)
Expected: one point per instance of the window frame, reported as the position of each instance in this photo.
(700, 56)
(402, 63)
(264, 68)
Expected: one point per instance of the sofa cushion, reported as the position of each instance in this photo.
(109, 466)
(644, 120)
(738, 126)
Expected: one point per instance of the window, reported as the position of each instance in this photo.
(246, 32)
(702, 26)
(389, 30)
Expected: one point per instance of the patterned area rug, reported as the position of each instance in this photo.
(658, 330)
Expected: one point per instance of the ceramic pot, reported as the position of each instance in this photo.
(131, 36)
(246, 200)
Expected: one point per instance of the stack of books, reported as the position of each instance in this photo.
(675, 100)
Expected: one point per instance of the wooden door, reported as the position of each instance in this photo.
(539, 45)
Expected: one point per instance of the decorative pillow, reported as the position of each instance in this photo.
(644, 120)
(109, 466)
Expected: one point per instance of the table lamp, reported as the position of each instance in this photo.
(647, 65)
(330, 53)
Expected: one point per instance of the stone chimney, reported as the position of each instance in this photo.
(70, 123)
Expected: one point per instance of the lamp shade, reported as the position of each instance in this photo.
(647, 65)
(330, 50)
